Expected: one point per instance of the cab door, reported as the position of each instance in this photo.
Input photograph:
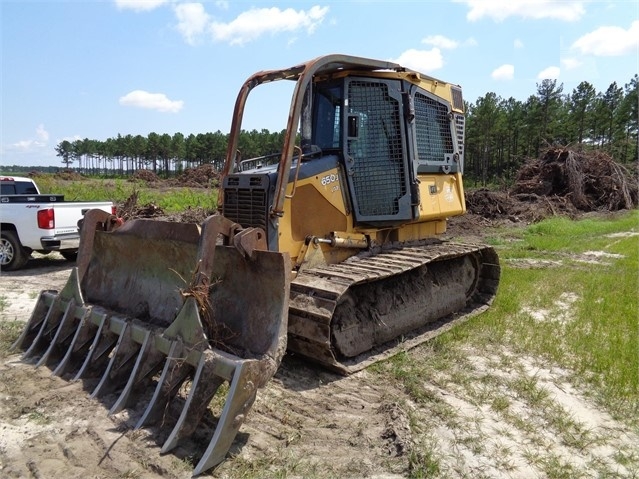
(377, 163)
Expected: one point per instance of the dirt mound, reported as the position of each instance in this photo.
(68, 175)
(562, 181)
(201, 177)
(531, 208)
(147, 176)
(192, 215)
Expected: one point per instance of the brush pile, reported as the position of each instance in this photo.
(561, 181)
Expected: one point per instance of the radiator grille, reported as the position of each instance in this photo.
(378, 173)
(458, 100)
(246, 206)
(432, 129)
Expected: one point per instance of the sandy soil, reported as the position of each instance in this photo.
(475, 421)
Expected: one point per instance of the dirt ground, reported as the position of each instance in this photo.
(318, 424)
(489, 413)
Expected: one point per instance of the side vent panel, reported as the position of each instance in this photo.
(245, 200)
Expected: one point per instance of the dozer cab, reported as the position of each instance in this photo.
(328, 249)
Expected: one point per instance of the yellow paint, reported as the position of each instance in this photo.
(318, 209)
(448, 199)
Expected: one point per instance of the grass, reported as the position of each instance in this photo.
(39, 418)
(569, 310)
(171, 200)
(598, 336)
(424, 463)
(9, 333)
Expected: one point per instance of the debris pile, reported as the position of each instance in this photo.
(69, 175)
(201, 177)
(590, 181)
(130, 208)
(146, 176)
(562, 181)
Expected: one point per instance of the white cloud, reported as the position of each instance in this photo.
(139, 5)
(151, 101)
(222, 4)
(504, 72)
(23, 145)
(424, 61)
(570, 63)
(70, 139)
(440, 41)
(499, 10)
(192, 20)
(518, 43)
(609, 41)
(550, 73)
(254, 23)
(42, 134)
(41, 140)
(446, 43)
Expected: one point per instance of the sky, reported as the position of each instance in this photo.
(95, 69)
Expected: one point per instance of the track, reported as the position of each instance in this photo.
(347, 316)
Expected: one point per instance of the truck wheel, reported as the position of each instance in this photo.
(12, 254)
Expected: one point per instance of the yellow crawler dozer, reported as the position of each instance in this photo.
(328, 249)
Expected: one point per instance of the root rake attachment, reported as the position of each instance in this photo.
(126, 316)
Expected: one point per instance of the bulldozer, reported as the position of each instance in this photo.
(330, 249)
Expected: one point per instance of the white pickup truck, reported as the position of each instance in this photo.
(31, 221)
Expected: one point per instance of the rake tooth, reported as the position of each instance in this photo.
(94, 346)
(119, 367)
(79, 343)
(242, 392)
(148, 361)
(138, 323)
(51, 319)
(173, 375)
(36, 319)
(62, 333)
(205, 385)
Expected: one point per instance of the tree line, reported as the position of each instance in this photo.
(163, 153)
(500, 135)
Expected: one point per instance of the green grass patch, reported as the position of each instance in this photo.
(574, 305)
(170, 199)
(9, 333)
(38, 417)
(582, 313)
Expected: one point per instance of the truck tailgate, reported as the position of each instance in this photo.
(68, 214)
